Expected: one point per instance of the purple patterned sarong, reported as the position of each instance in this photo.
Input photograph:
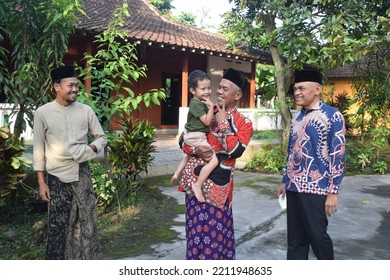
(210, 232)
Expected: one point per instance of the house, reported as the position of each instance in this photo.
(341, 77)
(352, 78)
(170, 51)
(340, 80)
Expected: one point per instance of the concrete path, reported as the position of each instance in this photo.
(360, 229)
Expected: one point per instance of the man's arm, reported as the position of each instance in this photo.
(39, 162)
(238, 141)
(289, 145)
(336, 146)
(96, 130)
(234, 142)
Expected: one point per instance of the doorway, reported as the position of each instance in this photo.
(170, 107)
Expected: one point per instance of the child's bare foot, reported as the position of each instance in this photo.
(198, 192)
(174, 180)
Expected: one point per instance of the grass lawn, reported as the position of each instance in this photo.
(131, 233)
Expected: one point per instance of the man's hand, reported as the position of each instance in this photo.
(221, 115)
(282, 190)
(93, 147)
(331, 203)
(204, 152)
(44, 191)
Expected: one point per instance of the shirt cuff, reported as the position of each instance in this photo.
(333, 189)
(193, 151)
(98, 146)
(223, 125)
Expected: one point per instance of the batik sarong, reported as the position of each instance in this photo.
(209, 230)
(72, 223)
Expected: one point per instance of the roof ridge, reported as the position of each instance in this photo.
(148, 25)
(155, 10)
(167, 19)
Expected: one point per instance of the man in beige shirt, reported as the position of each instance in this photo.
(61, 154)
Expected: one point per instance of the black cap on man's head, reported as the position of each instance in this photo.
(308, 76)
(236, 77)
(62, 73)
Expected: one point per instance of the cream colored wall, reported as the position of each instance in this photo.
(262, 119)
(217, 64)
(341, 85)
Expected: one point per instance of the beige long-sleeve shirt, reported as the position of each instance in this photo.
(61, 139)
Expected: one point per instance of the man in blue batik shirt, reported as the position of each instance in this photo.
(314, 169)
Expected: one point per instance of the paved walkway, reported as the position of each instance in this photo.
(360, 229)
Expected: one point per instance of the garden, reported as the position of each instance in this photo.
(130, 205)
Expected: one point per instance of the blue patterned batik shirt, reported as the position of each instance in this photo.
(316, 149)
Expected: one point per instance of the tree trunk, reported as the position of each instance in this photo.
(283, 107)
(19, 122)
(283, 73)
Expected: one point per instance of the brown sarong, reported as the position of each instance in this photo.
(72, 223)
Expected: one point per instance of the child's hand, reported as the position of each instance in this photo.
(208, 102)
(204, 152)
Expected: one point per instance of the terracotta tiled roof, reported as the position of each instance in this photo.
(147, 25)
(350, 70)
(371, 62)
(345, 71)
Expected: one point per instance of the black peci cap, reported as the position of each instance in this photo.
(308, 76)
(62, 73)
(236, 77)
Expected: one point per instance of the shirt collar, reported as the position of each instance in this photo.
(232, 110)
(316, 106)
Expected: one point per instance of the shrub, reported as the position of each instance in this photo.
(13, 165)
(102, 184)
(366, 157)
(380, 167)
(269, 160)
(129, 155)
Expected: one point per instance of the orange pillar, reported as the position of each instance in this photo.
(184, 82)
(252, 88)
(88, 82)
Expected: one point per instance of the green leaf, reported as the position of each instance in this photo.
(15, 163)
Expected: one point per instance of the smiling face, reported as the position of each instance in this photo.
(67, 91)
(229, 92)
(202, 90)
(307, 94)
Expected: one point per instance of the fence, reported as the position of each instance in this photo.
(262, 118)
(6, 112)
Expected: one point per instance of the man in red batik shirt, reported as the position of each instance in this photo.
(209, 224)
